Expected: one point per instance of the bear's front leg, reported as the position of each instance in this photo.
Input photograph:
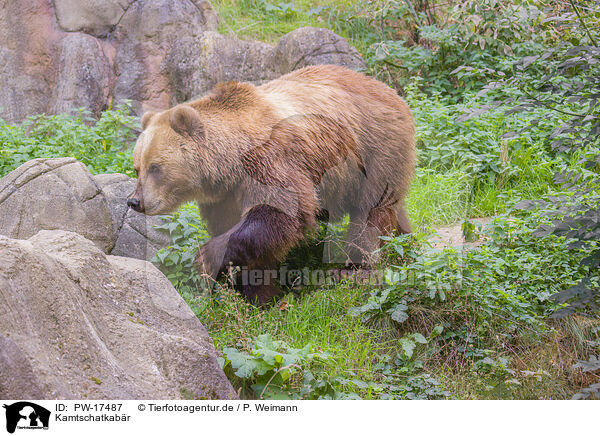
(211, 257)
(258, 242)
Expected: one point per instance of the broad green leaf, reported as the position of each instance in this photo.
(408, 346)
(420, 338)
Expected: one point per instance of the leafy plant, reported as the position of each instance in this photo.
(271, 367)
(285, 9)
(513, 274)
(103, 144)
(475, 33)
(562, 79)
(188, 233)
(274, 370)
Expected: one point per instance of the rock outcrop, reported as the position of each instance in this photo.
(196, 65)
(78, 324)
(62, 194)
(55, 56)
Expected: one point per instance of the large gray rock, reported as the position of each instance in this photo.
(54, 194)
(28, 50)
(85, 83)
(16, 372)
(193, 64)
(196, 65)
(314, 46)
(50, 194)
(146, 33)
(47, 65)
(78, 324)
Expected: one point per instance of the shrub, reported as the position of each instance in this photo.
(511, 276)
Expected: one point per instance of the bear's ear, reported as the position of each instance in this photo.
(186, 122)
(146, 118)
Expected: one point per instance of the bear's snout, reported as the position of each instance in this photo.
(134, 203)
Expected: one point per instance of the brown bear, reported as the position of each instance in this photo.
(265, 162)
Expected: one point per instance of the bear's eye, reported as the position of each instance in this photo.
(153, 169)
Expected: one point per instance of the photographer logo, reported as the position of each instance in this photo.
(26, 415)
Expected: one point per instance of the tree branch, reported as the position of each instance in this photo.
(583, 23)
(545, 104)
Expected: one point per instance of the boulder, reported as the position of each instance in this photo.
(76, 323)
(16, 373)
(54, 194)
(29, 47)
(85, 83)
(196, 65)
(147, 32)
(61, 193)
(314, 46)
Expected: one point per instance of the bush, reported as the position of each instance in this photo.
(482, 34)
(510, 278)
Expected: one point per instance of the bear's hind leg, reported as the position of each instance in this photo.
(402, 222)
(364, 233)
(362, 239)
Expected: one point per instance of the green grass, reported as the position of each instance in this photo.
(438, 198)
(318, 318)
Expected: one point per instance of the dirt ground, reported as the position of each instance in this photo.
(452, 236)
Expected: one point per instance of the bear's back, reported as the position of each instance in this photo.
(330, 90)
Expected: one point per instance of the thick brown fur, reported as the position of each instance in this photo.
(263, 162)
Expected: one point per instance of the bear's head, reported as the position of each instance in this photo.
(194, 150)
(176, 163)
(160, 160)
